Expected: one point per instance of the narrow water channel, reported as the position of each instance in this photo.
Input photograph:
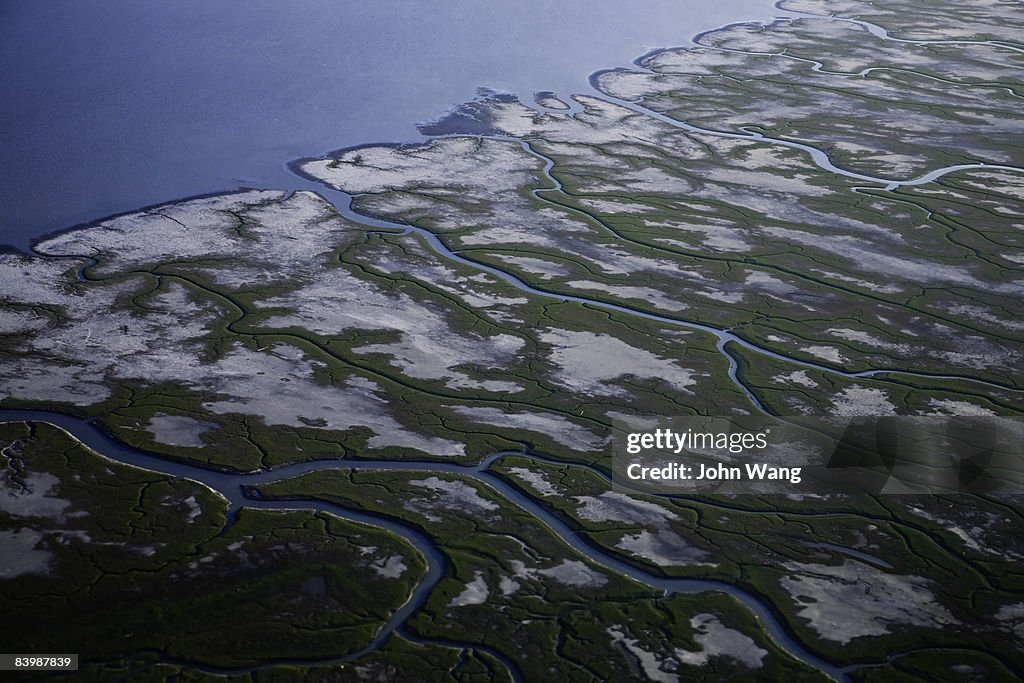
(235, 488)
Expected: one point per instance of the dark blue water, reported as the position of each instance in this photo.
(110, 105)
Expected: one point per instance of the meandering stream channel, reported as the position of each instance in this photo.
(236, 490)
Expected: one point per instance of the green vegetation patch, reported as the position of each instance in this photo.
(108, 560)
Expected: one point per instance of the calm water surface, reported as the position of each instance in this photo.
(111, 105)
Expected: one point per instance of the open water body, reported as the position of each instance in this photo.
(111, 105)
